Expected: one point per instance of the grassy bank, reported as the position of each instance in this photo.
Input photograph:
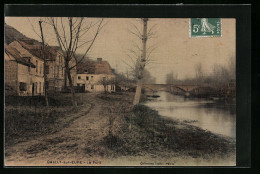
(140, 131)
(113, 129)
(27, 117)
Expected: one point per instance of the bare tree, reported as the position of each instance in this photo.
(140, 56)
(232, 67)
(198, 72)
(72, 34)
(106, 81)
(171, 77)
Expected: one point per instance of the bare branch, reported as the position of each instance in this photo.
(33, 28)
(136, 28)
(135, 34)
(64, 34)
(94, 38)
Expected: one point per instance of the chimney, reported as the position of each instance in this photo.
(99, 60)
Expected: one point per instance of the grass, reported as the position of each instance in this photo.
(27, 117)
(128, 130)
(140, 131)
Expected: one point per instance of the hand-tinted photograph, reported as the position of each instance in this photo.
(83, 91)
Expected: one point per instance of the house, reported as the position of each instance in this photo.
(95, 76)
(55, 65)
(55, 69)
(23, 73)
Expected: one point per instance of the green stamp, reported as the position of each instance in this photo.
(205, 27)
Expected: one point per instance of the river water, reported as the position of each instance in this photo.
(215, 116)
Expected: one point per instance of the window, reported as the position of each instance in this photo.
(79, 77)
(47, 69)
(40, 87)
(22, 86)
(92, 86)
(58, 68)
(47, 85)
(29, 67)
(41, 69)
(78, 84)
(36, 65)
(92, 77)
(36, 86)
(86, 77)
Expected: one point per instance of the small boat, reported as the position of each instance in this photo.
(155, 96)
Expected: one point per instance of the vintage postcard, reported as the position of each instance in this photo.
(83, 91)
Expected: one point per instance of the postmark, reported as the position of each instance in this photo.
(205, 27)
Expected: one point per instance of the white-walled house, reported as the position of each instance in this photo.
(23, 73)
(94, 76)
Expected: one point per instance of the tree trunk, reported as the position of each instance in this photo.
(73, 98)
(65, 80)
(138, 93)
(142, 64)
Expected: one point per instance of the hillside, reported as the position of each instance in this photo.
(11, 34)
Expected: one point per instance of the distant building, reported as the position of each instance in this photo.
(93, 76)
(23, 73)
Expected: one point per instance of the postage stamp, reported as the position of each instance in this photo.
(205, 27)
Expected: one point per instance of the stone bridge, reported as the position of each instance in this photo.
(180, 88)
(170, 87)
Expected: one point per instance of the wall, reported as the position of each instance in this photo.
(35, 76)
(56, 73)
(94, 80)
(11, 74)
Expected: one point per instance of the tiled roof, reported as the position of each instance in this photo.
(35, 48)
(16, 55)
(93, 67)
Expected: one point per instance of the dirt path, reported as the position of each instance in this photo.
(71, 146)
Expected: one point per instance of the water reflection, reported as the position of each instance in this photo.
(217, 117)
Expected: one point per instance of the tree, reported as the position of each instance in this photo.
(72, 34)
(140, 57)
(232, 67)
(106, 81)
(148, 78)
(171, 77)
(199, 73)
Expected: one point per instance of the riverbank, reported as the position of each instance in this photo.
(112, 132)
(143, 132)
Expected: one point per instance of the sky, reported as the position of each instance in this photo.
(175, 51)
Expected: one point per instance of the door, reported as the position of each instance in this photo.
(83, 88)
(33, 89)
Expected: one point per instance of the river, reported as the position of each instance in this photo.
(215, 116)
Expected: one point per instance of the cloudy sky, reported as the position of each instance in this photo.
(175, 50)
